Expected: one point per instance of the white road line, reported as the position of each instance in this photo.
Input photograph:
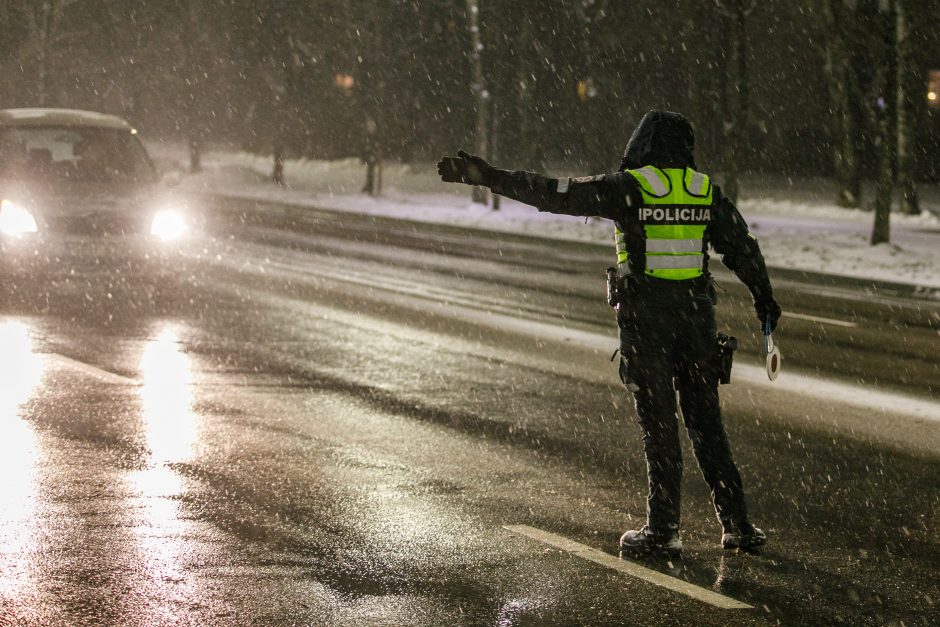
(98, 373)
(820, 319)
(629, 568)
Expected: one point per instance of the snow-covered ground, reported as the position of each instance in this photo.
(798, 225)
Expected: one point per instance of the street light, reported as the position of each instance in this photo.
(345, 82)
(933, 89)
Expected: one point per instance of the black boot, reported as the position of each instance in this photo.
(646, 541)
(744, 537)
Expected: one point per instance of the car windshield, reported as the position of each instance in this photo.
(79, 154)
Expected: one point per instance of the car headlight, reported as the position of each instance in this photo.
(15, 221)
(168, 225)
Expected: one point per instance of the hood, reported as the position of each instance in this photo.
(57, 199)
(663, 139)
(86, 209)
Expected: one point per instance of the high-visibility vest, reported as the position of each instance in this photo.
(677, 206)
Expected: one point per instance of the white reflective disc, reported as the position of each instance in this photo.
(773, 363)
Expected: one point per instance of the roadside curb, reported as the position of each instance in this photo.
(866, 286)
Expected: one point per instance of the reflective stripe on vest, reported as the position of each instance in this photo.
(673, 246)
(696, 183)
(653, 181)
(674, 250)
(621, 242)
(673, 262)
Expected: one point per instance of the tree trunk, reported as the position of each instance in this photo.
(379, 169)
(277, 174)
(494, 147)
(907, 81)
(881, 230)
(479, 89)
(591, 52)
(195, 154)
(887, 135)
(843, 90)
(738, 86)
(525, 148)
(46, 26)
(744, 93)
(193, 81)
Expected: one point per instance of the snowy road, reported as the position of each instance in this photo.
(335, 419)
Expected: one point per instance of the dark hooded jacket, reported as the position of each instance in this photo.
(662, 139)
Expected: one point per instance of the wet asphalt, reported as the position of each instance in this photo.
(318, 418)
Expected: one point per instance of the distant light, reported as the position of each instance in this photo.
(344, 82)
(586, 89)
(933, 89)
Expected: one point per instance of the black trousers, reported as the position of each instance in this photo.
(668, 345)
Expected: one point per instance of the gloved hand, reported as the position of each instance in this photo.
(767, 309)
(464, 168)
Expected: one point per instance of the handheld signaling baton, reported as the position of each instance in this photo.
(773, 353)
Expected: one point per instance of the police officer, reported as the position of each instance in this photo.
(666, 215)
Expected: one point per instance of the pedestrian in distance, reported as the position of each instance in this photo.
(666, 215)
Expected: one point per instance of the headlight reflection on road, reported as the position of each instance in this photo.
(167, 398)
(21, 372)
(171, 431)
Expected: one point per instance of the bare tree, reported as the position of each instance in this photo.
(886, 75)
(526, 45)
(282, 38)
(737, 90)
(589, 15)
(908, 78)
(478, 86)
(43, 20)
(193, 51)
(843, 96)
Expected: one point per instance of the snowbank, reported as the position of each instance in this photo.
(798, 225)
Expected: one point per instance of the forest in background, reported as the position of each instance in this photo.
(833, 87)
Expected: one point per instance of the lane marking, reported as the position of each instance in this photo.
(629, 568)
(98, 373)
(820, 319)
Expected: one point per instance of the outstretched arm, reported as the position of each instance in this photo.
(741, 253)
(602, 196)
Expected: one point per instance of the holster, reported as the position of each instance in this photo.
(725, 356)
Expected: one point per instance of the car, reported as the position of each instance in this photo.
(79, 194)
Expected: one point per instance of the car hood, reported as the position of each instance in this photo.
(79, 198)
(75, 199)
(92, 210)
